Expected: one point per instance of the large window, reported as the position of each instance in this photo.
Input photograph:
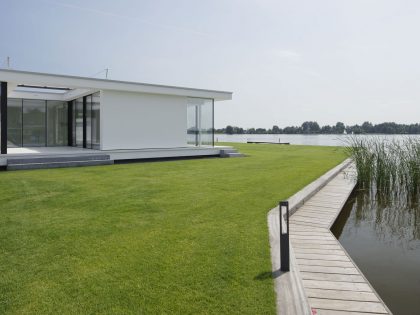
(57, 123)
(33, 118)
(92, 122)
(78, 123)
(14, 122)
(200, 122)
(35, 123)
(95, 121)
(46, 123)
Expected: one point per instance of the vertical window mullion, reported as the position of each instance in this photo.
(21, 126)
(212, 127)
(84, 122)
(3, 119)
(197, 130)
(46, 124)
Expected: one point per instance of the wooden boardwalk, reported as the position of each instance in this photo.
(331, 280)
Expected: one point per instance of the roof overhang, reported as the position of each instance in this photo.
(80, 86)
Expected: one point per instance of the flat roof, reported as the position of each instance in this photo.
(17, 77)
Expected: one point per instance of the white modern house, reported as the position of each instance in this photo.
(60, 118)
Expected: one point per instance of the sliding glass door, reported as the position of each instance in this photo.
(14, 123)
(34, 128)
(95, 122)
(86, 125)
(78, 123)
(57, 123)
(36, 123)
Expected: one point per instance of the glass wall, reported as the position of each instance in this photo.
(33, 121)
(57, 123)
(95, 122)
(89, 121)
(206, 122)
(92, 122)
(200, 122)
(192, 129)
(45, 123)
(14, 122)
(78, 123)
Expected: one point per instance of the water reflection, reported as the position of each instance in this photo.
(394, 220)
(382, 235)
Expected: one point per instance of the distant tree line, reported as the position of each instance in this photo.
(312, 127)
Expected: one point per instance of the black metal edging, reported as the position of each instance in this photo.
(3, 114)
(284, 237)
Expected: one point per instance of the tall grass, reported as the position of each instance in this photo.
(391, 168)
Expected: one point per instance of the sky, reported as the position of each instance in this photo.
(286, 62)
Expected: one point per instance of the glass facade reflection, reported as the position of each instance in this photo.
(57, 121)
(200, 122)
(92, 122)
(14, 123)
(34, 123)
(78, 123)
(95, 122)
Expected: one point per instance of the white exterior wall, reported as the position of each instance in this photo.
(132, 120)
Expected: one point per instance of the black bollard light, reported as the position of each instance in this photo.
(284, 236)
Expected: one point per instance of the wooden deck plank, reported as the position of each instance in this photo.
(319, 207)
(352, 306)
(312, 215)
(331, 281)
(336, 201)
(310, 221)
(315, 242)
(329, 269)
(318, 222)
(321, 204)
(337, 285)
(316, 246)
(342, 295)
(335, 312)
(332, 277)
(310, 233)
(326, 263)
(312, 237)
(323, 257)
(318, 251)
(320, 212)
(317, 212)
(309, 225)
(299, 227)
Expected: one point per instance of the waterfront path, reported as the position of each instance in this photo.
(322, 274)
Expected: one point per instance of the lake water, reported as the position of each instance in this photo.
(327, 140)
(383, 239)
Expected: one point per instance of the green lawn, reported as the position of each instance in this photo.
(178, 237)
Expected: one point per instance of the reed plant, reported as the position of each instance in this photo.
(390, 168)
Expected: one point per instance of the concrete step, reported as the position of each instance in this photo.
(227, 153)
(60, 164)
(58, 158)
(237, 154)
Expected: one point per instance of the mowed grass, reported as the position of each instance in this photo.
(176, 237)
